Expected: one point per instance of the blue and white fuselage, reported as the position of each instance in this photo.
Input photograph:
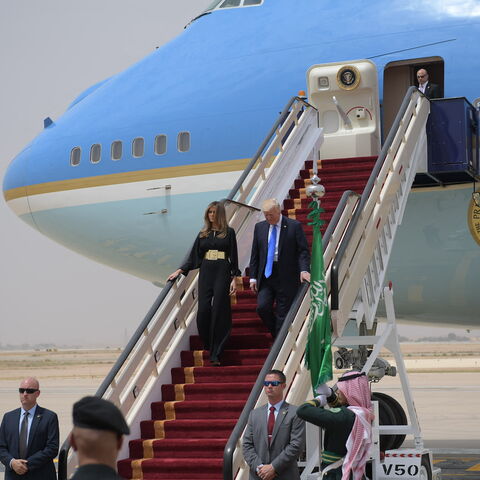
(124, 176)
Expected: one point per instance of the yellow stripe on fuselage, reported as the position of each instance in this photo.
(127, 177)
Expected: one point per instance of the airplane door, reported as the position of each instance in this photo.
(398, 76)
(346, 96)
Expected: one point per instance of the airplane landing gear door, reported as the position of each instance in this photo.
(346, 96)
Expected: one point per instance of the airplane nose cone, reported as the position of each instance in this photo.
(15, 189)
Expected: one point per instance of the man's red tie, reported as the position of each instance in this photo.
(270, 423)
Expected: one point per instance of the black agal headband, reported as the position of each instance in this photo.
(351, 377)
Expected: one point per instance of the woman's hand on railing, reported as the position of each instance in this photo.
(173, 276)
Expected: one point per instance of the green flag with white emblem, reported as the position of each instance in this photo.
(318, 353)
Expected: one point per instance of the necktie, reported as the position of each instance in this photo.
(22, 444)
(271, 423)
(271, 251)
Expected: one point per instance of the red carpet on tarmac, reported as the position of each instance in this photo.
(189, 427)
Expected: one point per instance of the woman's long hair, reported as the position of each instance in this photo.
(220, 219)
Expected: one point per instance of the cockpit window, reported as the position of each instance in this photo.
(217, 4)
(230, 3)
(213, 5)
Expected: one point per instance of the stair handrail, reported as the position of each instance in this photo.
(185, 282)
(279, 342)
(281, 118)
(335, 269)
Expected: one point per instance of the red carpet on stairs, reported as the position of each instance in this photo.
(191, 423)
(190, 426)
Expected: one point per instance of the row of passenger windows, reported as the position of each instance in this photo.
(138, 148)
(232, 4)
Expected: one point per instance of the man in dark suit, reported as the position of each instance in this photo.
(275, 436)
(279, 262)
(430, 90)
(97, 437)
(29, 437)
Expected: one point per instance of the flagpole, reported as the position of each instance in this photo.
(318, 352)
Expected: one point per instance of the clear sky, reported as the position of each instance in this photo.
(50, 51)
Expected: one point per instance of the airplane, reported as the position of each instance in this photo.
(124, 175)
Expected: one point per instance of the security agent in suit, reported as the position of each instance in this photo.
(274, 456)
(97, 437)
(291, 264)
(29, 437)
(430, 90)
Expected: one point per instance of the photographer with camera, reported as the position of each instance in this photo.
(347, 424)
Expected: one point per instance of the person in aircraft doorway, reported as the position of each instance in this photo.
(430, 90)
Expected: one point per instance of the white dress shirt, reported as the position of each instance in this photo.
(279, 227)
(275, 257)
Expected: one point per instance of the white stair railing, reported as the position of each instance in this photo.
(276, 165)
(362, 260)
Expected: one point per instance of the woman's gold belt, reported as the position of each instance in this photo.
(215, 255)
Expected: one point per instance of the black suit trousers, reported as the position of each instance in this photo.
(273, 301)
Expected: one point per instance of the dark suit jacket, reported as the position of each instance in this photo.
(287, 443)
(96, 471)
(432, 91)
(293, 253)
(42, 444)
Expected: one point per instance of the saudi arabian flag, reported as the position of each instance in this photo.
(318, 354)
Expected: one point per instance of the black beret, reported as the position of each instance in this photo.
(99, 414)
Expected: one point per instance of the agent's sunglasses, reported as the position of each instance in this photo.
(28, 390)
(273, 383)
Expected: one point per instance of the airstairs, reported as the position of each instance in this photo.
(357, 246)
(172, 398)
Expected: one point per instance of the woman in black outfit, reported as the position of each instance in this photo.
(215, 253)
